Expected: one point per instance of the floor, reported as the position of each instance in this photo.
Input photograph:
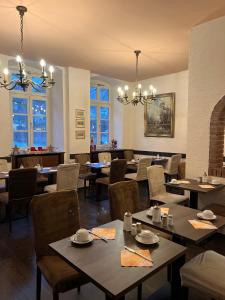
(17, 260)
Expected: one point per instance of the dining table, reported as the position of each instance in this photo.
(100, 262)
(181, 231)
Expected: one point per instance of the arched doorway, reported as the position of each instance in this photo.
(216, 145)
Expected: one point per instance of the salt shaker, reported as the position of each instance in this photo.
(134, 229)
(138, 227)
(205, 178)
(127, 221)
(156, 214)
(170, 220)
(164, 220)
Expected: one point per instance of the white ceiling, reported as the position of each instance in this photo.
(101, 35)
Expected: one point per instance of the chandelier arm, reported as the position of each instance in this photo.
(7, 86)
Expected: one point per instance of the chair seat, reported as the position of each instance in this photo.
(133, 176)
(103, 180)
(61, 276)
(205, 273)
(170, 198)
(4, 197)
(105, 171)
(50, 188)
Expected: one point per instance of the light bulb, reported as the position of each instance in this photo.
(134, 94)
(51, 69)
(151, 87)
(145, 93)
(42, 63)
(6, 71)
(121, 93)
(119, 89)
(139, 86)
(126, 87)
(154, 91)
(19, 59)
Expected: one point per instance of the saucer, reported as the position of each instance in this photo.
(74, 240)
(139, 239)
(200, 216)
(174, 182)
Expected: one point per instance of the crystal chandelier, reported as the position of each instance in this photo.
(22, 80)
(138, 96)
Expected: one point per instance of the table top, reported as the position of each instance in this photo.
(101, 261)
(182, 228)
(194, 186)
(46, 171)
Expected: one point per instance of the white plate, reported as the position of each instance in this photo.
(74, 240)
(155, 240)
(174, 182)
(200, 216)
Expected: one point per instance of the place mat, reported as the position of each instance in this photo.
(202, 224)
(129, 259)
(206, 186)
(164, 210)
(107, 233)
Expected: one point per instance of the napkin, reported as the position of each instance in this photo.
(206, 186)
(108, 233)
(202, 224)
(129, 259)
(182, 181)
(164, 210)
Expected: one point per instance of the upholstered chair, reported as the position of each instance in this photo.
(67, 178)
(141, 170)
(123, 196)
(21, 189)
(55, 216)
(105, 157)
(157, 189)
(3, 168)
(128, 155)
(204, 273)
(31, 162)
(171, 168)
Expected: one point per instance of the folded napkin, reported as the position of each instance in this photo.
(129, 259)
(164, 210)
(202, 224)
(206, 186)
(107, 233)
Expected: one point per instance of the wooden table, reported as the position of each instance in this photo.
(100, 262)
(182, 230)
(195, 189)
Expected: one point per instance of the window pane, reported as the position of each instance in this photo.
(93, 93)
(39, 107)
(104, 126)
(19, 105)
(104, 94)
(39, 123)
(104, 113)
(93, 126)
(20, 139)
(104, 138)
(38, 80)
(14, 77)
(40, 139)
(93, 112)
(20, 122)
(94, 136)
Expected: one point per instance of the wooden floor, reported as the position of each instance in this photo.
(17, 260)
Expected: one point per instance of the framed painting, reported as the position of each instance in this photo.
(80, 134)
(79, 113)
(159, 116)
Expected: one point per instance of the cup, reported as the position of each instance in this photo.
(147, 236)
(173, 180)
(208, 214)
(82, 235)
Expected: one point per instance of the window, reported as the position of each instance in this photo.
(100, 114)
(29, 117)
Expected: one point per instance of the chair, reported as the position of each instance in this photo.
(128, 155)
(141, 170)
(67, 178)
(117, 173)
(3, 168)
(123, 197)
(171, 169)
(55, 216)
(105, 157)
(157, 189)
(204, 273)
(21, 188)
(85, 173)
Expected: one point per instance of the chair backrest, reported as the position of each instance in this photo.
(156, 180)
(143, 164)
(82, 158)
(173, 163)
(67, 176)
(128, 155)
(55, 216)
(22, 183)
(104, 156)
(124, 197)
(4, 165)
(31, 162)
(117, 170)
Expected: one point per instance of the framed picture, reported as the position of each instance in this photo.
(79, 123)
(80, 134)
(79, 113)
(159, 116)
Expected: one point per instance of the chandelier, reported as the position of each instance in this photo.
(22, 80)
(138, 96)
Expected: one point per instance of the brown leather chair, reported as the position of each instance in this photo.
(123, 197)
(55, 216)
(21, 188)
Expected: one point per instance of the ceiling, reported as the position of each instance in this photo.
(101, 35)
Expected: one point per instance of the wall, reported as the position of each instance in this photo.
(177, 83)
(206, 88)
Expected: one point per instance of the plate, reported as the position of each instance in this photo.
(155, 240)
(173, 182)
(74, 240)
(200, 216)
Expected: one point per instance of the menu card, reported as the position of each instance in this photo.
(202, 224)
(129, 259)
(107, 233)
(206, 186)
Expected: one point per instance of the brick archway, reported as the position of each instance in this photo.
(216, 145)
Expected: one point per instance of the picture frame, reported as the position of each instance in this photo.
(80, 134)
(159, 116)
(80, 123)
(79, 113)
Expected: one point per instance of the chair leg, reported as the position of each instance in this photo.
(139, 293)
(78, 289)
(55, 295)
(9, 212)
(184, 293)
(38, 287)
(85, 188)
(98, 191)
